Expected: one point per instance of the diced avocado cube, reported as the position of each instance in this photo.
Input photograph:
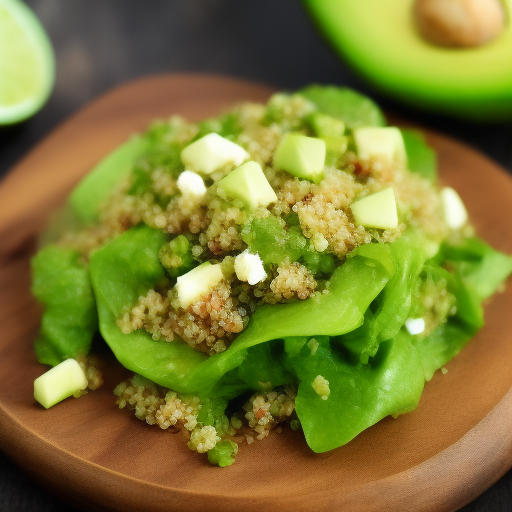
(59, 383)
(326, 126)
(197, 282)
(381, 142)
(454, 212)
(212, 152)
(249, 184)
(377, 210)
(301, 156)
(335, 147)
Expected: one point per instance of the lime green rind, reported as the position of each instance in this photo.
(380, 43)
(40, 43)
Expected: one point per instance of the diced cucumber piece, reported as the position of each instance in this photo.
(326, 126)
(197, 282)
(454, 211)
(301, 156)
(377, 210)
(212, 152)
(381, 142)
(59, 383)
(249, 184)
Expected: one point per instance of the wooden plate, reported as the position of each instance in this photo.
(454, 446)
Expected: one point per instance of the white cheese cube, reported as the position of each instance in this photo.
(212, 152)
(249, 268)
(454, 211)
(191, 184)
(415, 325)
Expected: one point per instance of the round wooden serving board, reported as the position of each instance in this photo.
(439, 457)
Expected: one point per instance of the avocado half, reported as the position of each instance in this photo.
(379, 39)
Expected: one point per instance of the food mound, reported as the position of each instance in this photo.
(289, 263)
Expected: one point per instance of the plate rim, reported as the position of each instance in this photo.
(6, 419)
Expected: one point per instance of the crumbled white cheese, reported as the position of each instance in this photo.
(212, 152)
(454, 211)
(191, 184)
(249, 268)
(415, 325)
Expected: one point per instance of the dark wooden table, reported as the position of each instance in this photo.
(99, 45)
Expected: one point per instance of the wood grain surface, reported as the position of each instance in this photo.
(439, 457)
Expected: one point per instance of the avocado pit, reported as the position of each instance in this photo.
(459, 23)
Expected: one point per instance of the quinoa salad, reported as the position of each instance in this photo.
(288, 265)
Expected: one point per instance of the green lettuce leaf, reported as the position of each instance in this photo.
(480, 267)
(421, 158)
(121, 272)
(391, 307)
(61, 283)
(447, 340)
(263, 368)
(360, 395)
(352, 107)
(353, 286)
(88, 196)
(128, 267)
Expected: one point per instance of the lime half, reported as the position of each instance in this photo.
(27, 66)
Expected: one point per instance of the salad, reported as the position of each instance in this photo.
(290, 263)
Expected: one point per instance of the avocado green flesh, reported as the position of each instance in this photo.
(380, 41)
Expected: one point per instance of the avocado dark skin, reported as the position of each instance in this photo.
(382, 42)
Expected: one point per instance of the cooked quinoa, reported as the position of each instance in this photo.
(287, 244)
(215, 226)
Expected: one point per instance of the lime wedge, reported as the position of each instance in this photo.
(27, 67)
